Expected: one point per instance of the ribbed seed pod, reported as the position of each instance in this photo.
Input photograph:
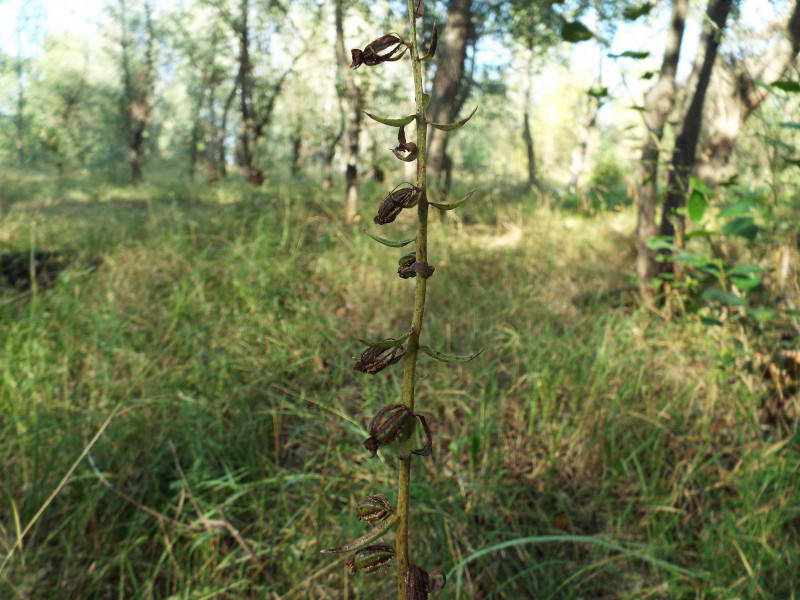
(374, 508)
(370, 558)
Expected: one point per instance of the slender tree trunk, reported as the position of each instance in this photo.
(447, 82)
(222, 155)
(658, 104)
(245, 155)
(527, 136)
(353, 100)
(739, 96)
(19, 118)
(684, 153)
(297, 148)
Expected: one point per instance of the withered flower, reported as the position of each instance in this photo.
(371, 56)
(419, 584)
(374, 508)
(372, 360)
(370, 558)
(423, 269)
(405, 151)
(393, 423)
(404, 269)
(396, 201)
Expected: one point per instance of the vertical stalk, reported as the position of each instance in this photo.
(410, 360)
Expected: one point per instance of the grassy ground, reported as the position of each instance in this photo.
(592, 451)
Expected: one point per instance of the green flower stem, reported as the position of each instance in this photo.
(410, 361)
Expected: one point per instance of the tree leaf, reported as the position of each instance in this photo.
(762, 315)
(398, 122)
(631, 13)
(598, 92)
(575, 31)
(388, 343)
(390, 243)
(737, 210)
(453, 205)
(746, 283)
(660, 242)
(742, 227)
(444, 357)
(631, 54)
(787, 85)
(456, 125)
(697, 205)
(717, 295)
(789, 125)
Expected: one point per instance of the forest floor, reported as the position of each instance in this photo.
(179, 416)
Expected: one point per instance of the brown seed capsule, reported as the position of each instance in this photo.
(394, 423)
(371, 56)
(417, 583)
(396, 201)
(374, 508)
(404, 269)
(372, 360)
(370, 558)
(423, 269)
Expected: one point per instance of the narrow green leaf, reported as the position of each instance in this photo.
(453, 205)
(639, 108)
(789, 125)
(388, 343)
(647, 75)
(390, 243)
(717, 295)
(456, 125)
(737, 210)
(786, 85)
(631, 54)
(701, 233)
(575, 31)
(398, 122)
(632, 13)
(697, 206)
(444, 357)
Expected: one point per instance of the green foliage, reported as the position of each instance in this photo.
(216, 322)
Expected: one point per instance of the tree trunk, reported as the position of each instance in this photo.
(658, 104)
(740, 96)
(137, 83)
(527, 136)
(245, 153)
(447, 84)
(297, 148)
(353, 100)
(684, 153)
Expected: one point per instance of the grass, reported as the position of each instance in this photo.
(592, 451)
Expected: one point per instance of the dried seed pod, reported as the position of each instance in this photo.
(405, 151)
(391, 424)
(371, 56)
(404, 269)
(423, 269)
(375, 359)
(370, 558)
(374, 508)
(397, 200)
(417, 583)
